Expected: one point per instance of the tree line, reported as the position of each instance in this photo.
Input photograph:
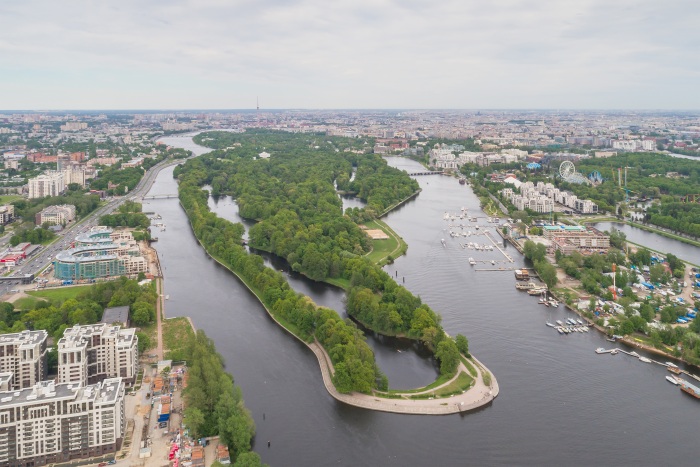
(299, 218)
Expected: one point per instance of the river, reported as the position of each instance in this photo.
(559, 402)
(654, 241)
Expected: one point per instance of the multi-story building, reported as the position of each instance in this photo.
(49, 422)
(570, 238)
(23, 354)
(59, 214)
(74, 174)
(50, 183)
(88, 354)
(7, 213)
(100, 252)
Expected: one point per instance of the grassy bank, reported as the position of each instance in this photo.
(61, 293)
(385, 251)
(177, 332)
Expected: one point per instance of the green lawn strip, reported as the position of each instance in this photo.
(25, 303)
(486, 376)
(7, 199)
(470, 367)
(394, 246)
(338, 282)
(62, 293)
(176, 333)
(442, 379)
(461, 384)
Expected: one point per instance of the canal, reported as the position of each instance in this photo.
(559, 401)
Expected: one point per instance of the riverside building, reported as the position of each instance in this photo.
(89, 354)
(22, 359)
(101, 252)
(51, 422)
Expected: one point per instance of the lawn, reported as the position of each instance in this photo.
(6, 199)
(393, 247)
(61, 294)
(176, 335)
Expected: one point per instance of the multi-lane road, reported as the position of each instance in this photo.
(40, 260)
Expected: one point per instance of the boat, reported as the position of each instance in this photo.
(167, 297)
(671, 364)
(560, 323)
(644, 359)
(472, 261)
(600, 350)
(525, 285)
(537, 291)
(672, 380)
(690, 389)
(522, 274)
(610, 339)
(561, 331)
(579, 322)
(553, 303)
(673, 369)
(551, 325)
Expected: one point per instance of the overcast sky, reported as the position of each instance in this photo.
(456, 54)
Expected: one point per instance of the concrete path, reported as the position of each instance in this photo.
(478, 396)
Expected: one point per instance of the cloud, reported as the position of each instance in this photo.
(362, 53)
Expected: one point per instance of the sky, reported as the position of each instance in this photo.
(367, 54)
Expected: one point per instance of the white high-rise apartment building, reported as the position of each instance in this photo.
(51, 422)
(50, 183)
(88, 354)
(23, 354)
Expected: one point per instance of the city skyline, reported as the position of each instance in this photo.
(633, 55)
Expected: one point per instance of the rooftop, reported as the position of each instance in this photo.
(24, 337)
(106, 391)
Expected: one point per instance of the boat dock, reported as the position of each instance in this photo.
(646, 360)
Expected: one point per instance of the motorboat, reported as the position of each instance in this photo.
(672, 380)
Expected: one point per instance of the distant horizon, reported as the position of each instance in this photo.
(347, 109)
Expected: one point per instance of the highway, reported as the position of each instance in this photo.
(38, 261)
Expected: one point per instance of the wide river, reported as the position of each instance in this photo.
(560, 403)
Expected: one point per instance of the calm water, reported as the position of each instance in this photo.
(559, 402)
(653, 241)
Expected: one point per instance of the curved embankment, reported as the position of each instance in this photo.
(477, 396)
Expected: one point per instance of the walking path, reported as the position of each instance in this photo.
(159, 318)
(477, 396)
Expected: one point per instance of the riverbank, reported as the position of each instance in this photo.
(478, 396)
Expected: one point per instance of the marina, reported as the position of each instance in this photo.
(526, 418)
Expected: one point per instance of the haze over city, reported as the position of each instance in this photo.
(311, 54)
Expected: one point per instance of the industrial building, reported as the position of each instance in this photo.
(89, 354)
(23, 356)
(49, 422)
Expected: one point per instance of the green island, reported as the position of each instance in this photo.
(289, 183)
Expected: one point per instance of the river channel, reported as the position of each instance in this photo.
(560, 403)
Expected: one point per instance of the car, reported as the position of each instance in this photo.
(101, 464)
(112, 462)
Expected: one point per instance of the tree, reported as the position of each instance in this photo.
(249, 459)
(448, 355)
(462, 345)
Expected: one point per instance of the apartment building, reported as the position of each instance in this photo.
(50, 183)
(89, 354)
(49, 422)
(60, 214)
(23, 354)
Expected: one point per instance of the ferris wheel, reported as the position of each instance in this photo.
(566, 170)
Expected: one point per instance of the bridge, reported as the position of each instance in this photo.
(436, 172)
(164, 196)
